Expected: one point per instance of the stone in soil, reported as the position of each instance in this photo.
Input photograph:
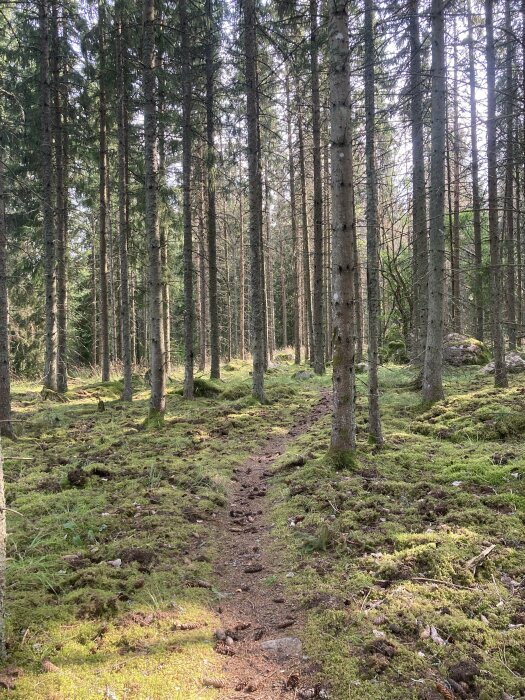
(283, 648)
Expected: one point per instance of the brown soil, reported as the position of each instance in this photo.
(253, 611)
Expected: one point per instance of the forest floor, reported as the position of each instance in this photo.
(162, 563)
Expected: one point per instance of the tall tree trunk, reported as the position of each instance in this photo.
(255, 198)
(509, 181)
(521, 139)
(6, 427)
(519, 252)
(318, 300)
(157, 363)
(133, 317)
(306, 244)
(94, 304)
(215, 371)
(293, 222)
(58, 107)
(125, 317)
(327, 250)
(3, 557)
(372, 231)
(419, 197)
(50, 368)
(202, 282)
(228, 283)
(284, 301)
(456, 289)
(112, 282)
(500, 370)
(166, 310)
(103, 196)
(432, 372)
(186, 190)
(268, 268)
(242, 349)
(358, 298)
(476, 200)
(343, 225)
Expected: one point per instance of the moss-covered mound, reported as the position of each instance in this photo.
(489, 414)
(461, 350)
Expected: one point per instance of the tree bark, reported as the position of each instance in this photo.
(284, 301)
(268, 268)
(94, 304)
(255, 198)
(432, 371)
(419, 197)
(125, 317)
(215, 371)
(358, 299)
(509, 181)
(456, 288)
(103, 197)
(327, 250)
(476, 200)
(202, 282)
(293, 223)
(6, 427)
(157, 362)
(343, 225)
(318, 300)
(3, 558)
(186, 196)
(500, 370)
(227, 278)
(242, 332)
(306, 244)
(163, 226)
(58, 107)
(372, 231)
(50, 365)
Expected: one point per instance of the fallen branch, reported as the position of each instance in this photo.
(473, 563)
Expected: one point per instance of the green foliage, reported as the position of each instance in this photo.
(394, 348)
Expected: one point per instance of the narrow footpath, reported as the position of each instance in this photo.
(260, 628)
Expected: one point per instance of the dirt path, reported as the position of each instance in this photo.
(254, 615)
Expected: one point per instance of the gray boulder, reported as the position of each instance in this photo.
(283, 648)
(303, 375)
(460, 350)
(513, 361)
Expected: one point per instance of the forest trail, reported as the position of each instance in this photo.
(252, 612)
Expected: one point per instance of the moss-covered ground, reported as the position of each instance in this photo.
(411, 565)
(110, 591)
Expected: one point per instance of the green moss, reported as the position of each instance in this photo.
(90, 560)
(341, 459)
(403, 525)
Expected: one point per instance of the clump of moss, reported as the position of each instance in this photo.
(203, 388)
(484, 415)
